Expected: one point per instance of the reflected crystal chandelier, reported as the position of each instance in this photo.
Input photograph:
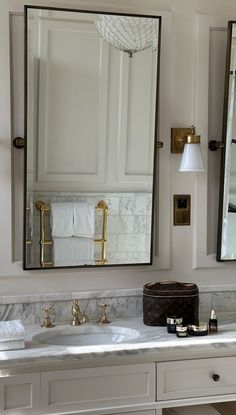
(128, 34)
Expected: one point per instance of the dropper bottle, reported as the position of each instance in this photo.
(213, 323)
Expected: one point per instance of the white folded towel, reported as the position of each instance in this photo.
(62, 219)
(73, 251)
(11, 330)
(83, 220)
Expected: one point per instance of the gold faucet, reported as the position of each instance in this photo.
(78, 317)
(47, 322)
(103, 319)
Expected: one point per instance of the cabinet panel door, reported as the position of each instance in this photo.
(69, 83)
(196, 378)
(19, 394)
(98, 387)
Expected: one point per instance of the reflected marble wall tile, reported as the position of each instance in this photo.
(130, 257)
(140, 204)
(140, 224)
(127, 205)
(149, 204)
(131, 243)
(120, 224)
(113, 205)
(112, 243)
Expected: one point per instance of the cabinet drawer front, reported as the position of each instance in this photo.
(195, 378)
(19, 394)
(98, 387)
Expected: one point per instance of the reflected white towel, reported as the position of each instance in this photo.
(62, 219)
(73, 251)
(83, 220)
(11, 330)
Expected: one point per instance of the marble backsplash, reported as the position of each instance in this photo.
(28, 308)
(124, 303)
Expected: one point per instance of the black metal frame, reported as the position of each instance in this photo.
(156, 138)
(224, 136)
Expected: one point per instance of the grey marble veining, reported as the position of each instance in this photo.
(128, 292)
(152, 343)
(44, 297)
(118, 308)
(34, 298)
(24, 312)
(124, 303)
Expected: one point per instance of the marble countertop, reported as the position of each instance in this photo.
(152, 344)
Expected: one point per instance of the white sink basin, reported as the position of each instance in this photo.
(86, 335)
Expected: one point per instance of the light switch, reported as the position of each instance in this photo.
(182, 210)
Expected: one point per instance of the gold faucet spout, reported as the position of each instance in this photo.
(77, 317)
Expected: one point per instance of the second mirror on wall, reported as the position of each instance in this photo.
(91, 127)
(227, 213)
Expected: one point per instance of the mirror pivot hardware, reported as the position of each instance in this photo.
(214, 145)
(19, 142)
(159, 144)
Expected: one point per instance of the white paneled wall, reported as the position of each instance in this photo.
(95, 104)
(193, 42)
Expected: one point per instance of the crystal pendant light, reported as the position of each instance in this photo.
(127, 33)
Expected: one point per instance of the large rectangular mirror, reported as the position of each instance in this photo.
(91, 128)
(226, 250)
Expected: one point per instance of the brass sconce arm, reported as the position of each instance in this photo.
(179, 137)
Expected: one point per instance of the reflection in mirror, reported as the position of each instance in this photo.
(91, 126)
(227, 214)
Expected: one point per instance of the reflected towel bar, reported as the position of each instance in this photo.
(101, 206)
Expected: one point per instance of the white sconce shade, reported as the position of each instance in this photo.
(192, 160)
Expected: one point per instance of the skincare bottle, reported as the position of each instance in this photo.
(172, 322)
(213, 323)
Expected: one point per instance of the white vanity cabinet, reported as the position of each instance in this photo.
(196, 378)
(91, 389)
(20, 394)
(128, 389)
(95, 388)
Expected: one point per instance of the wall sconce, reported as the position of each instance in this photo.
(184, 140)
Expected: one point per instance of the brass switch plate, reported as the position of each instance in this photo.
(179, 137)
(182, 210)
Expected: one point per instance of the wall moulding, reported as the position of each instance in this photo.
(211, 45)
